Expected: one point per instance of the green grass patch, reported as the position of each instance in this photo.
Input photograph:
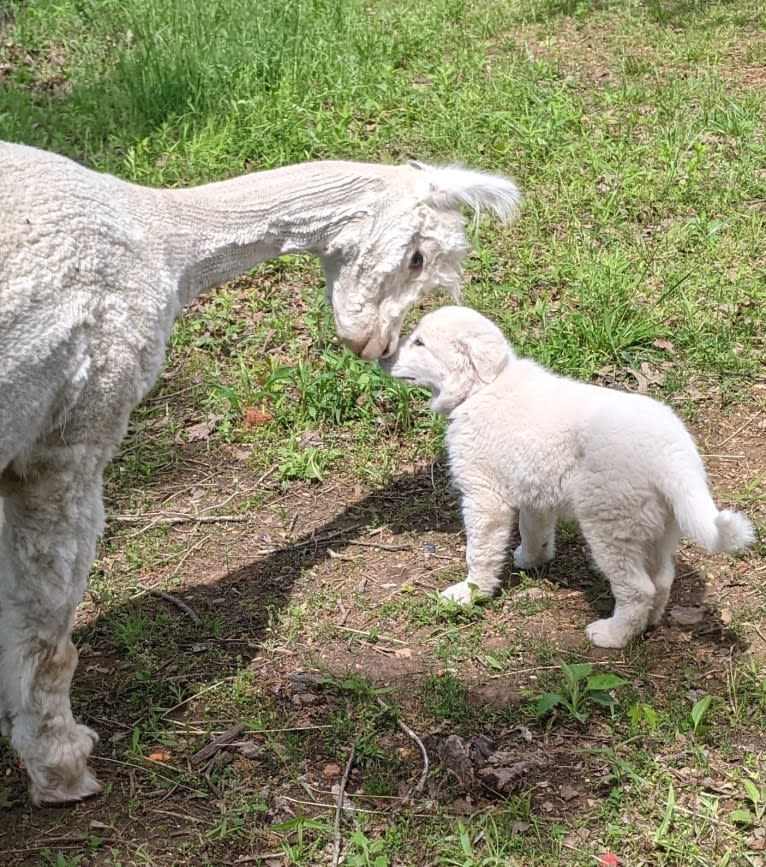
(635, 130)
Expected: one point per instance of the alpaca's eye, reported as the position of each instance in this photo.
(418, 342)
(416, 261)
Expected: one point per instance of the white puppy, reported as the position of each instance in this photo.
(622, 465)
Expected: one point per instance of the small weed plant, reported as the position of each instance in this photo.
(698, 715)
(579, 689)
(755, 811)
(364, 852)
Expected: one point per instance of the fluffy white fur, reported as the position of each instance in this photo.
(93, 271)
(519, 437)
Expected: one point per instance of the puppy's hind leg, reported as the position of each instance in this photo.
(623, 563)
(488, 531)
(538, 539)
(663, 570)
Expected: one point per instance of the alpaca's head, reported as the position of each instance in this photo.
(409, 240)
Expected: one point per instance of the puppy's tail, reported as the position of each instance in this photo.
(699, 518)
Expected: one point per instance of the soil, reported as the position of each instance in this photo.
(313, 543)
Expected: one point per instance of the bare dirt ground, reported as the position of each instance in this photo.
(322, 582)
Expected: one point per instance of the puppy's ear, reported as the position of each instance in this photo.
(486, 353)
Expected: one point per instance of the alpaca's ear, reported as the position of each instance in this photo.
(486, 353)
(453, 186)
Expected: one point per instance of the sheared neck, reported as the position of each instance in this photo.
(221, 230)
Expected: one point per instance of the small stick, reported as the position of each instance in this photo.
(411, 734)
(189, 552)
(174, 600)
(739, 429)
(151, 771)
(252, 859)
(191, 698)
(339, 807)
(365, 634)
(213, 788)
(178, 816)
(179, 519)
(305, 543)
(208, 751)
(380, 547)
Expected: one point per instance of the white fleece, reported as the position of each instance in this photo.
(93, 272)
(519, 437)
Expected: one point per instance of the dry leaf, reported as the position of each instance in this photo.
(160, 757)
(201, 431)
(567, 792)
(256, 416)
(197, 432)
(664, 343)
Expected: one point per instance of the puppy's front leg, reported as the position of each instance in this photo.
(487, 522)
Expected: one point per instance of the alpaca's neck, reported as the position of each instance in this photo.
(218, 231)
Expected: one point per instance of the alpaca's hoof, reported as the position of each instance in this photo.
(61, 775)
(67, 792)
(602, 633)
(521, 560)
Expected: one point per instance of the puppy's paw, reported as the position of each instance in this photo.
(522, 560)
(463, 593)
(604, 633)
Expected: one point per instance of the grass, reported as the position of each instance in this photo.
(636, 131)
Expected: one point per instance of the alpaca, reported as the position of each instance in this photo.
(93, 272)
(622, 465)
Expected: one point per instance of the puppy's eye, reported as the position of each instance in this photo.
(416, 261)
(418, 342)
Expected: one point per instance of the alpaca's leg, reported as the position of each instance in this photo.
(634, 593)
(5, 719)
(52, 519)
(488, 530)
(663, 570)
(538, 539)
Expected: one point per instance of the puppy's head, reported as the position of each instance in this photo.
(454, 352)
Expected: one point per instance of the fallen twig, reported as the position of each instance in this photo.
(739, 429)
(370, 635)
(418, 789)
(152, 771)
(339, 808)
(197, 695)
(178, 519)
(724, 457)
(195, 547)
(217, 744)
(252, 859)
(213, 788)
(305, 543)
(381, 547)
(174, 600)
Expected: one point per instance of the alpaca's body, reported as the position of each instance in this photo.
(93, 272)
(521, 438)
(86, 306)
